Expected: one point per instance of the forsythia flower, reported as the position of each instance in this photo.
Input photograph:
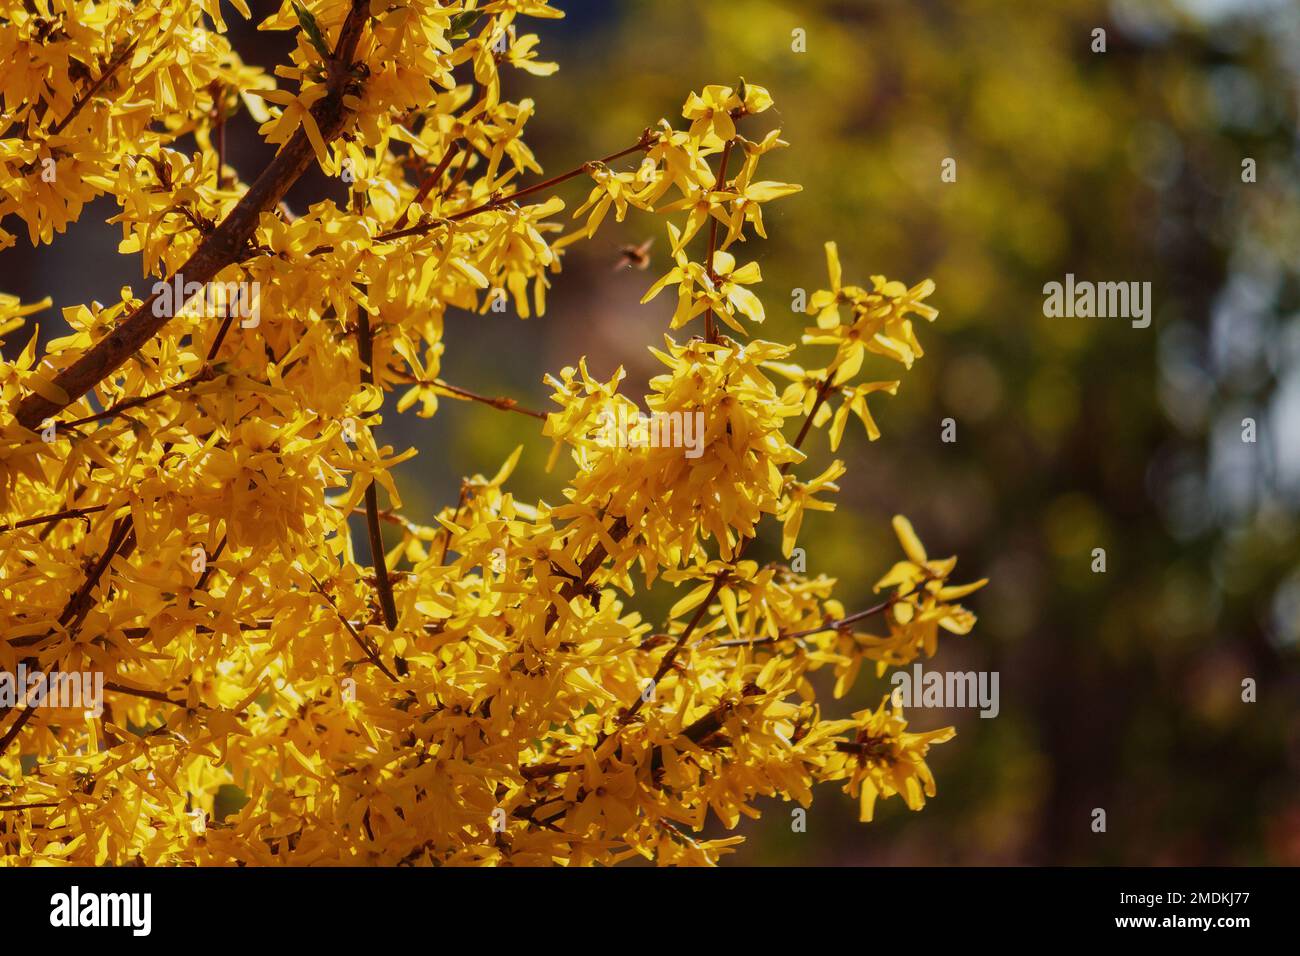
(880, 319)
(883, 759)
(184, 473)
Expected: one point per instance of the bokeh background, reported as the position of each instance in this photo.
(1119, 690)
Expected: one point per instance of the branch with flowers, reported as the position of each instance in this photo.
(176, 488)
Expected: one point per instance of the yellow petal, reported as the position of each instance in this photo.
(833, 265)
(912, 546)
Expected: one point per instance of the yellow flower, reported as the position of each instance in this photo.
(710, 112)
(296, 112)
(749, 197)
(883, 759)
(801, 497)
(855, 401)
(880, 319)
(726, 293)
(923, 600)
(469, 685)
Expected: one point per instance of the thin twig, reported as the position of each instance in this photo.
(56, 516)
(209, 566)
(371, 653)
(497, 200)
(710, 329)
(504, 404)
(431, 179)
(823, 390)
(81, 101)
(159, 696)
(203, 375)
(666, 664)
(78, 605)
(842, 623)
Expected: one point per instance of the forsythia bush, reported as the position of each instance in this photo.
(176, 480)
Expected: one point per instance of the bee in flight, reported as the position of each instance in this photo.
(634, 256)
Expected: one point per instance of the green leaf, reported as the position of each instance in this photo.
(310, 27)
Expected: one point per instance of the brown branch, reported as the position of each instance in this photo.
(864, 749)
(466, 157)
(429, 181)
(15, 728)
(666, 664)
(823, 390)
(56, 516)
(578, 585)
(366, 348)
(159, 696)
(223, 246)
(226, 322)
(706, 726)
(538, 770)
(121, 540)
(209, 566)
(78, 606)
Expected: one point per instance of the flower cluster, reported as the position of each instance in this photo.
(177, 490)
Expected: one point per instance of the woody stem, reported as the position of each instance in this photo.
(365, 341)
(219, 248)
